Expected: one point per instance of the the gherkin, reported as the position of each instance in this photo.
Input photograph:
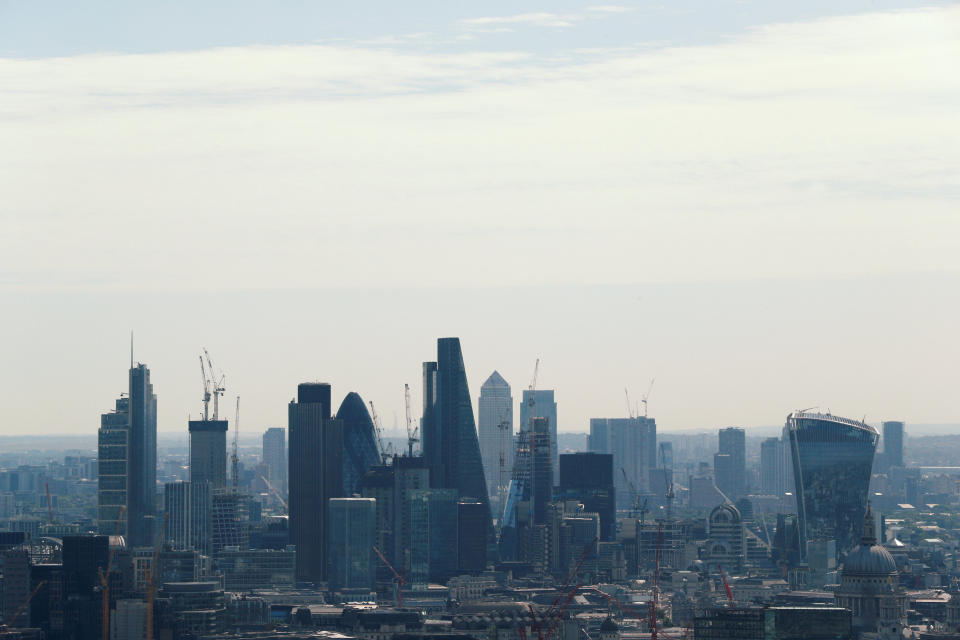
(359, 441)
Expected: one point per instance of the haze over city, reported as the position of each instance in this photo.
(749, 203)
(515, 320)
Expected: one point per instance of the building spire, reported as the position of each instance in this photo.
(869, 528)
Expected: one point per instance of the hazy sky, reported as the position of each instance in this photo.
(757, 203)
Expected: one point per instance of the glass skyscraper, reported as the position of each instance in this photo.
(208, 452)
(275, 457)
(541, 403)
(893, 443)
(633, 443)
(359, 441)
(495, 427)
(353, 525)
(316, 475)
(450, 444)
(832, 462)
(127, 461)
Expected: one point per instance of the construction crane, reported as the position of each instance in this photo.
(630, 412)
(668, 481)
(647, 395)
(558, 616)
(384, 453)
(633, 491)
(49, 503)
(234, 457)
(655, 596)
(726, 585)
(397, 577)
(151, 578)
(413, 431)
(23, 606)
(533, 381)
(217, 387)
(206, 390)
(273, 490)
(504, 426)
(587, 550)
(105, 581)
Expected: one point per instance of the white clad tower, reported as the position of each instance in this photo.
(495, 429)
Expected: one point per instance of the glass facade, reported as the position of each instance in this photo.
(450, 444)
(433, 535)
(832, 462)
(360, 452)
(353, 525)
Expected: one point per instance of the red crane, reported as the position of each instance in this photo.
(399, 578)
(726, 585)
(655, 596)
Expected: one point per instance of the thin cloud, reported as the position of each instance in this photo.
(728, 155)
(529, 19)
(610, 8)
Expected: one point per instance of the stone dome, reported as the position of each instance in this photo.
(870, 558)
(725, 513)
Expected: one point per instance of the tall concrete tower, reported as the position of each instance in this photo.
(495, 430)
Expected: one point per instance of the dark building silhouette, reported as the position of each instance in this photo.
(893, 443)
(733, 442)
(315, 476)
(472, 534)
(531, 488)
(208, 452)
(359, 441)
(83, 557)
(771, 459)
(127, 462)
(588, 479)
(832, 462)
(633, 443)
(450, 444)
(142, 485)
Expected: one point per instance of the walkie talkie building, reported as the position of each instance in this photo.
(832, 462)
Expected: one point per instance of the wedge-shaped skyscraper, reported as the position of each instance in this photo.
(450, 443)
(832, 461)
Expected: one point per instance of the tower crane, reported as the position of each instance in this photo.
(105, 581)
(726, 585)
(206, 390)
(217, 388)
(532, 404)
(413, 432)
(23, 605)
(399, 578)
(668, 480)
(151, 578)
(647, 395)
(234, 457)
(630, 412)
(504, 426)
(384, 453)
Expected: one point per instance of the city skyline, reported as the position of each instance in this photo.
(503, 161)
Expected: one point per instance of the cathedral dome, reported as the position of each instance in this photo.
(870, 558)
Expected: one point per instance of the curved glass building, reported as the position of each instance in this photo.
(360, 451)
(832, 462)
